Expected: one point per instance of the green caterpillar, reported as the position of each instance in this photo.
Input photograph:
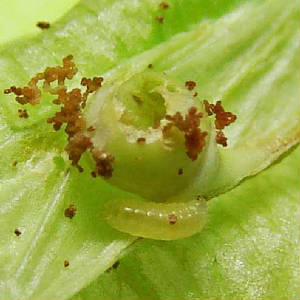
(163, 221)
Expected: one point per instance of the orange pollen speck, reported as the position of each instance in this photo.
(172, 219)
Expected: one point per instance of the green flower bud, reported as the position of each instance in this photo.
(149, 124)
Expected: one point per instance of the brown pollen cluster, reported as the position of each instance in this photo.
(92, 85)
(194, 137)
(71, 103)
(221, 139)
(104, 162)
(31, 93)
(223, 119)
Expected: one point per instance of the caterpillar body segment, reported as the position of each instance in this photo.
(160, 221)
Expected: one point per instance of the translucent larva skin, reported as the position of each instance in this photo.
(160, 221)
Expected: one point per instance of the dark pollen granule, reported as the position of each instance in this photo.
(43, 25)
(70, 211)
(66, 263)
(180, 171)
(160, 19)
(113, 267)
(137, 99)
(17, 232)
(116, 264)
(190, 84)
(91, 129)
(141, 140)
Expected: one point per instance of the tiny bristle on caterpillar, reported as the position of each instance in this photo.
(161, 221)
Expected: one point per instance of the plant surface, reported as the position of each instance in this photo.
(242, 52)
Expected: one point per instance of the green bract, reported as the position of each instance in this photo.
(245, 53)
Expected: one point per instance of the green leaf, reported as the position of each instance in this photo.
(234, 50)
(18, 19)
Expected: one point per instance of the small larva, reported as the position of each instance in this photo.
(161, 221)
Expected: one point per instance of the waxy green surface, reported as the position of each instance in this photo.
(243, 52)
